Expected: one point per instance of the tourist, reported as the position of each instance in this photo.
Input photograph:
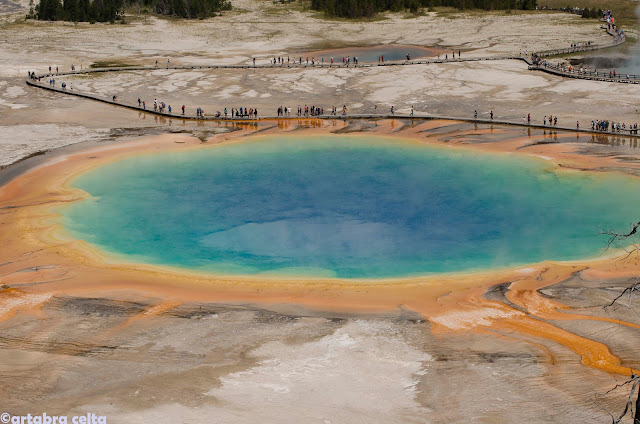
(411, 110)
(492, 115)
(139, 102)
(577, 125)
(144, 105)
(183, 109)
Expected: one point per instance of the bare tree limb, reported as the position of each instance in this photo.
(629, 408)
(613, 236)
(633, 288)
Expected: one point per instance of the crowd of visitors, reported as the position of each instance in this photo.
(610, 126)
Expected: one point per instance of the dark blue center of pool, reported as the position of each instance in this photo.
(346, 207)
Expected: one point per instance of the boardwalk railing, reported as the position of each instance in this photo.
(555, 69)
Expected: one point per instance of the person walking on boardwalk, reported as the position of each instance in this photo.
(139, 102)
(411, 110)
(254, 61)
(183, 109)
(392, 112)
(529, 119)
(144, 105)
(577, 125)
(492, 115)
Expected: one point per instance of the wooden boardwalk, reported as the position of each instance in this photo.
(582, 47)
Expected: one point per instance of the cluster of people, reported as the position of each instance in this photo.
(286, 111)
(553, 120)
(280, 60)
(606, 125)
(446, 55)
(33, 76)
(158, 106)
(311, 111)
(334, 110)
(576, 46)
(243, 112)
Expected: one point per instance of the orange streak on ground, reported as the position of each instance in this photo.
(31, 237)
(593, 354)
(544, 308)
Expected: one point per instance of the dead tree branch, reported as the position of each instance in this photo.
(614, 237)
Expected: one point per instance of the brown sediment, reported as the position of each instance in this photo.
(39, 262)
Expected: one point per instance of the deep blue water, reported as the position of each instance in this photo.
(346, 207)
(371, 54)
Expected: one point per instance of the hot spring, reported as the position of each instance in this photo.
(346, 207)
(371, 54)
